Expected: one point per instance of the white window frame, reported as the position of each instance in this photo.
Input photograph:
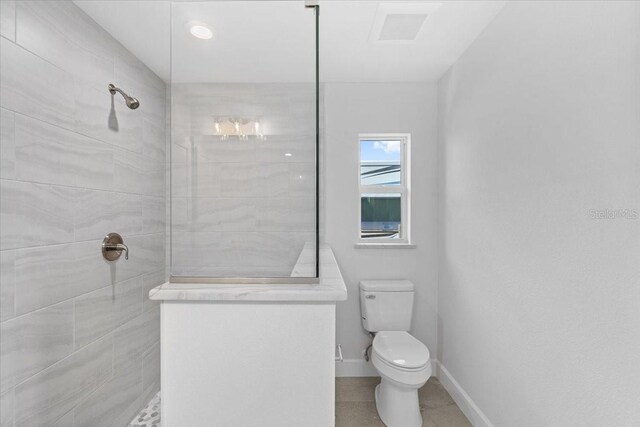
(404, 239)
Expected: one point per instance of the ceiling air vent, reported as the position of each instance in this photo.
(400, 22)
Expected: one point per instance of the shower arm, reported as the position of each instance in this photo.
(132, 102)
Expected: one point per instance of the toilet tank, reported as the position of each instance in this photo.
(386, 305)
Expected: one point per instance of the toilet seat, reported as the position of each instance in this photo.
(401, 359)
(400, 350)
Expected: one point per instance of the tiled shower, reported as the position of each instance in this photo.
(79, 337)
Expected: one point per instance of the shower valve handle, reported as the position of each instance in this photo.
(112, 247)
(117, 247)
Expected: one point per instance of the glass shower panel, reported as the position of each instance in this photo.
(243, 139)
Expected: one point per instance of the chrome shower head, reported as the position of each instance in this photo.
(132, 102)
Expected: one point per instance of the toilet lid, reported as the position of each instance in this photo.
(399, 348)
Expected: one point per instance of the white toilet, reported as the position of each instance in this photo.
(402, 361)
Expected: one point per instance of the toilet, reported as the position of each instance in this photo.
(402, 361)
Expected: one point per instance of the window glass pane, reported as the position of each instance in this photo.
(380, 162)
(380, 215)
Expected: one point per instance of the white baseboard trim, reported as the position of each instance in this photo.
(355, 368)
(362, 368)
(462, 399)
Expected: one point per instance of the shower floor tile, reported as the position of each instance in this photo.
(149, 416)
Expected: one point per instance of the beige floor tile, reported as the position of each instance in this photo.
(355, 404)
(364, 414)
(433, 395)
(426, 422)
(356, 389)
(446, 416)
(357, 414)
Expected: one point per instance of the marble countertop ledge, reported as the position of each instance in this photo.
(330, 289)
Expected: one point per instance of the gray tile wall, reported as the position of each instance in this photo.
(242, 208)
(79, 339)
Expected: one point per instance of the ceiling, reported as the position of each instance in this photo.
(273, 41)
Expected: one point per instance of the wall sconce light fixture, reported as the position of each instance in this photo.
(240, 128)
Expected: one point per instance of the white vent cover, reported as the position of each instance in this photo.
(400, 22)
(401, 27)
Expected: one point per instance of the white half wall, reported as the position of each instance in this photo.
(538, 299)
(248, 364)
(350, 109)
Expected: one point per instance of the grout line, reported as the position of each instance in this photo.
(15, 22)
(81, 295)
(75, 131)
(53, 245)
(74, 352)
(142, 85)
(74, 323)
(84, 135)
(113, 353)
(63, 415)
(91, 137)
(148, 350)
(80, 188)
(83, 399)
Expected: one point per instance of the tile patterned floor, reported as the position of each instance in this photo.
(149, 416)
(356, 407)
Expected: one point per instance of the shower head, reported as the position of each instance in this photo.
(132, 102)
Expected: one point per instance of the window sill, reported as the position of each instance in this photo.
(384, 246)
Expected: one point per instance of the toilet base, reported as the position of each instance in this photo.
(397, 406)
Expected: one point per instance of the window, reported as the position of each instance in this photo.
(384, 189)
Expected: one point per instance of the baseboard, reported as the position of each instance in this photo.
(362, 368)
(462, 399)
(355, 368)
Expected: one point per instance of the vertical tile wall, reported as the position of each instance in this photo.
(79, 337)
(242, 208)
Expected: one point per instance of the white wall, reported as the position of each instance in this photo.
(271, 364)
(539, 303)
(79, 339)
(351, 109)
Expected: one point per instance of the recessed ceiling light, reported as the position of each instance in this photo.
(199, 30)
(288, 154)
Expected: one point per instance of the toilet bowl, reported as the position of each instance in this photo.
(404, 366)
(403, 362)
